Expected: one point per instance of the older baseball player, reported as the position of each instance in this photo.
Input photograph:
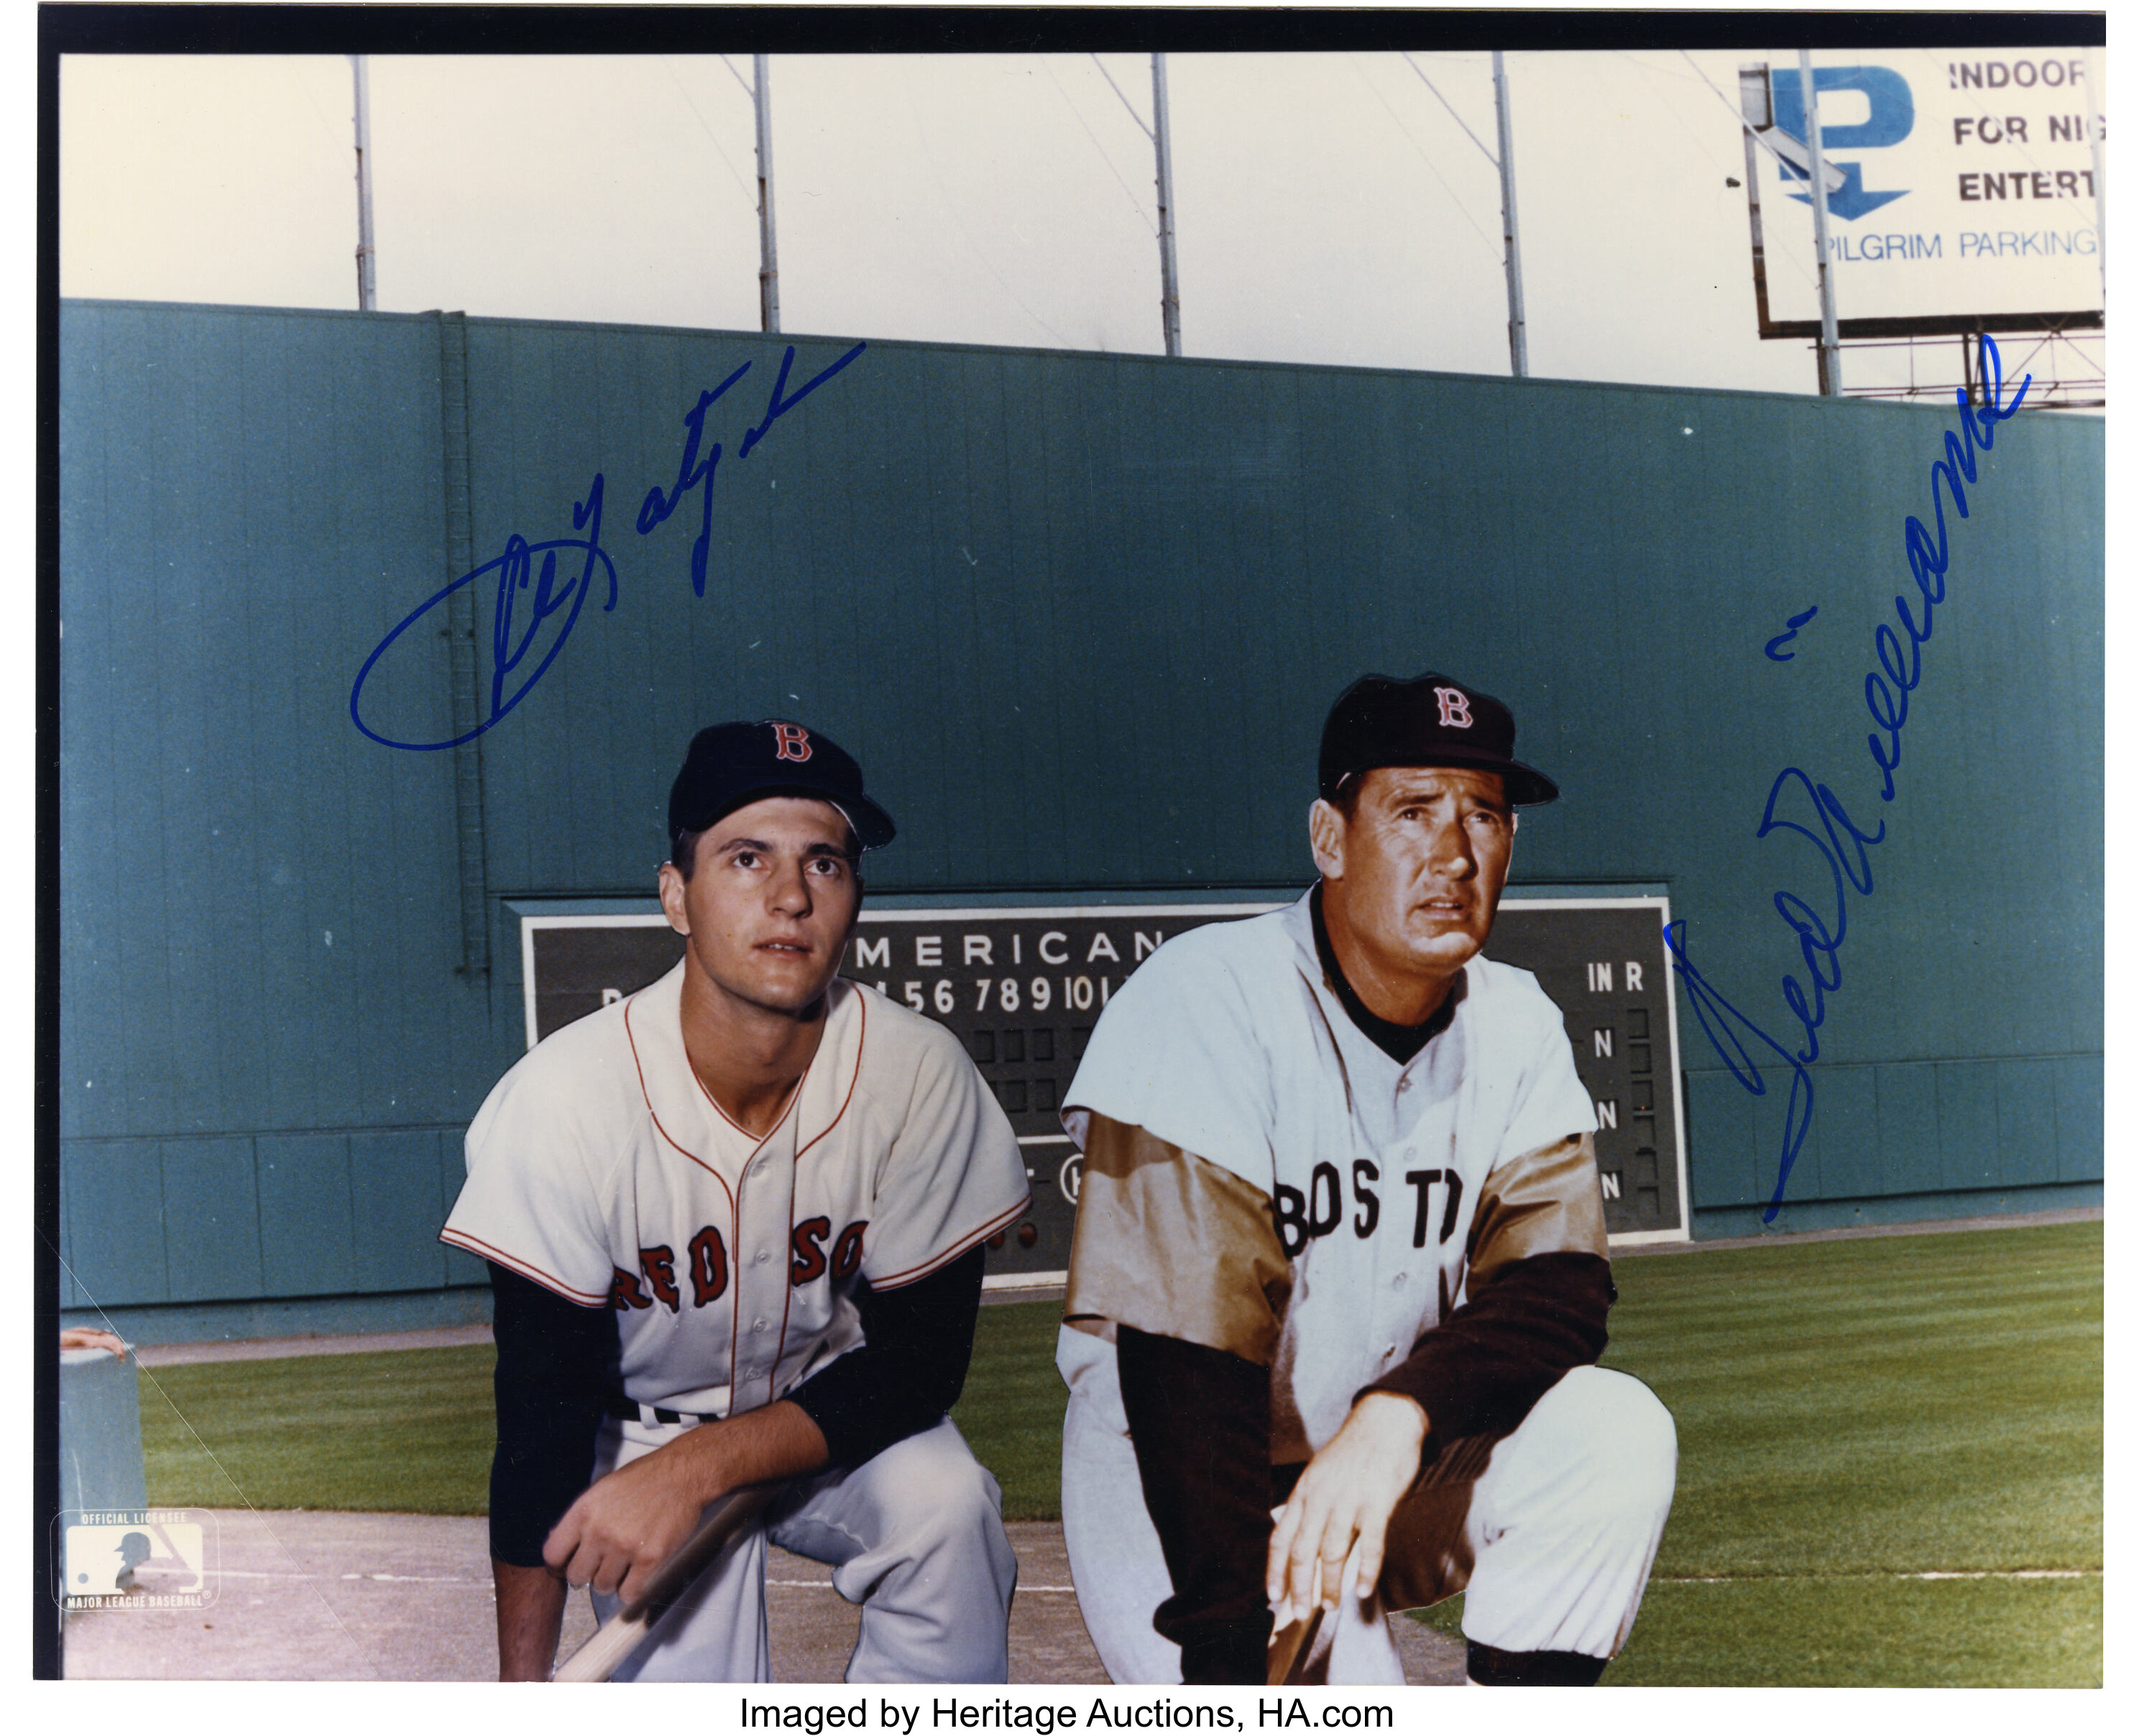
(1339, 1251)
(735, 1225)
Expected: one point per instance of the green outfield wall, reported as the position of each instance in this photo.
(1080, 616)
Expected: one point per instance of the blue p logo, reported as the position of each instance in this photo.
(1888, 122)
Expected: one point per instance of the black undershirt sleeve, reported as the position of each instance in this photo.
(910, 1372)
(1482, 1370)
(552, 1363)
(1198, 1418)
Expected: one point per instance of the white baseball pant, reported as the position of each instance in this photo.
(913, 1536)
(1550, 1531)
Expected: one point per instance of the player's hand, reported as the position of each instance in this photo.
(617, 1534)
(1343, 1500)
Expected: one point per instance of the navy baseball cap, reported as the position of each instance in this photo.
(1430, 720)
(730, 765)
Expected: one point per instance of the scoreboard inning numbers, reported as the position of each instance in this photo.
(1022, 988)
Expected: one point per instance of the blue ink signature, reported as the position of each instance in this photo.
(515, 568)
(659, 507)
(1794, 623)
(1842, 845)
(515, 574)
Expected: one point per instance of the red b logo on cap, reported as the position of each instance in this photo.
(793, 743)
(1452, 713)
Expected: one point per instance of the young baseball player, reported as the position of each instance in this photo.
(735, 1225)
(1339, 1255)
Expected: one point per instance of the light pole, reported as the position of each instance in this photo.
(1514, 288)
(1166, 235)
(366, 243)
(1828, 373)
(767, 276)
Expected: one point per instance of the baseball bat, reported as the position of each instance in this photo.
(1292, 1644)
(1291, 1647)
(602, 1655)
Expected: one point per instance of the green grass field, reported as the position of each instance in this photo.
(411, 1431)
(1853, 1415)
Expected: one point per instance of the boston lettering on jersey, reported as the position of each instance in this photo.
(1299, 1220)
(813, 1254)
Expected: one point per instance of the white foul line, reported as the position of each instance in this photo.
(2017, 1573)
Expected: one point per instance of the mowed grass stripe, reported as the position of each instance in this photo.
(407, 1431)
(1837, 1633)
(1901, 1404)
(1853, 1633)
(411, 1431)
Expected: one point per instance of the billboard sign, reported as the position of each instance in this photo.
(1969, 199)
(1022, 987)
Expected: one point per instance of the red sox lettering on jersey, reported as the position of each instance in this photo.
(707, 1266)
(600, 1168)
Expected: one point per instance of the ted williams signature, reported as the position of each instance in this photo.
(529, 595)
(1822, 818)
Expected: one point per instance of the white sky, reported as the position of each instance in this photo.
(1329, 208)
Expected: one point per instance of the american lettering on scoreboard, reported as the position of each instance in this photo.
(1022, 987)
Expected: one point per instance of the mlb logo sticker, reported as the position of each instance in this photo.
(146, 1559)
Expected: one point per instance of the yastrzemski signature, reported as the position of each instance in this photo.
(526, 602)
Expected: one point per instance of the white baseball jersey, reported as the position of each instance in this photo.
(600, 1168)
(1228, 1042)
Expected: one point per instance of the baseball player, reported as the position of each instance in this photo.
(1338, 1256)
(735, 1226)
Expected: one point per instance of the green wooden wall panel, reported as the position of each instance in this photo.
(1910, 1117)
(70, 1292)
(1080, 615)
(393, 1179)
(1768, 1118)
(115, 1203)
(306, 1215)
(1969, 1127)
(1846, 1136)
(2027, 1143)
(210, 1211)
(261, 498)
(2078, 1115)
(1722, 1136)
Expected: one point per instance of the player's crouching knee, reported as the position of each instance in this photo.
(966, 1495)
(1643, 1447)
(939, 1490)
(1628, 1439)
